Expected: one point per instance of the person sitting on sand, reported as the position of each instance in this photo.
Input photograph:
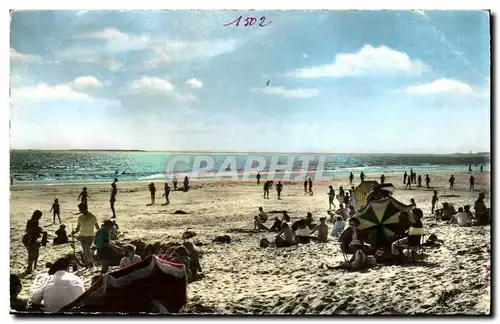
(262, 215)
(30, 239)
(130, 257)
(104, 250)
(331, 197)
(447, 212)
(84, 196)
(342, 212)
(62, 288)
(434, 201)
(349, 234)
(413, 204)
(351, 211)
(257, 224)
(338, 226)
(359, 259)
(302, 233)
(286, 217)
(276, 227)
(16, 303)
(310, 221)
(469, 213)
(112, 199)
(195, 259)
(86, 223)
(322, 230)
(166, 193)
(279, 188)
(413, 235)
(56, 211)
(288, 238)
(152, 191)
(181, 255)
(461, 218)
(482, 213)
(61, 235)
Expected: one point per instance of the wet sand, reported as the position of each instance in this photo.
(242, 278)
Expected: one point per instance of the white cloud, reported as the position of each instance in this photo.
(440, 86)
(85, 82)
(43, 91)
(15, 56)
(194, 83)
(107, 34)
(290, 93)
(153, 86)
(368, 60)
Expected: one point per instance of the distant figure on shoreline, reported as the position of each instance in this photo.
(305, 186)
(266, 189)
(331, 197)
(434, 201)
(12, 179)
(470, 167)
(382, 179)
(56, 211)
(84, 196)
(152, 191)
(471, 180)
(408, 184)
(411, 176)
(427, 181)
(419, 180)
(166, 193)
(186, 183)
(279, 188)
(310, 187)
(351, 178)
(452, 181)
(112, 200)
(362, 176)
(175, 183)
(481, 168)
(258, 177)
(404, 177)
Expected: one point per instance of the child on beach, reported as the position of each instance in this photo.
(195, 259)
(102, 244)
(84, 196)
(331, 197)
(257, 224)
(130, 257)
(56, 211)
(61, 235)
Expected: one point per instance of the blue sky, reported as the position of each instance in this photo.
(340, 81)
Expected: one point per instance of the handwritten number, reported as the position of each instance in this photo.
(237, 21)
(262, 20)
(249, 21)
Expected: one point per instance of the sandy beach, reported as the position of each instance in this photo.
(242, 278)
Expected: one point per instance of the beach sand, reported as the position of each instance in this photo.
(242, 278)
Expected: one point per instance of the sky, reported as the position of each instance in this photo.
(304, 81)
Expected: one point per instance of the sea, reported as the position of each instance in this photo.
(61, 167)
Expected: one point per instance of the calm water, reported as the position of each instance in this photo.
(78, 167)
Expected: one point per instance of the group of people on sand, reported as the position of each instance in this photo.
(267, 187)
(167, 189)
(412, 178)
(463, 216)
(361, 177)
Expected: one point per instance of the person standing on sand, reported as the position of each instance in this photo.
(85, 225)
(166, 193)
(112, 200)
(341, 195)
(470, 168)
(258, 177)
(152, 191)
(382, 179)
(419, 180)
(481, 168)
(279, 188)
(434, 201)
(404, 177)
(351, 178)
(452, 181)
(427, 181)
(305, 185)
(471, 180)
(56, 211)
(104, 250)
(408, 184)
(310, 183)
(175, 183)
(84, 196)
(30, 240)
(186, 183)
(266, 189)
(331, 197)
(411, 175)
(362, 176)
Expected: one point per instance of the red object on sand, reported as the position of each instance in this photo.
(134, 288)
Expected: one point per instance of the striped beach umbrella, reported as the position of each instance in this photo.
(362, 191)
(382, 218)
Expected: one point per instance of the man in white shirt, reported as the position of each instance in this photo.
(62, 288)
(461, 218)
